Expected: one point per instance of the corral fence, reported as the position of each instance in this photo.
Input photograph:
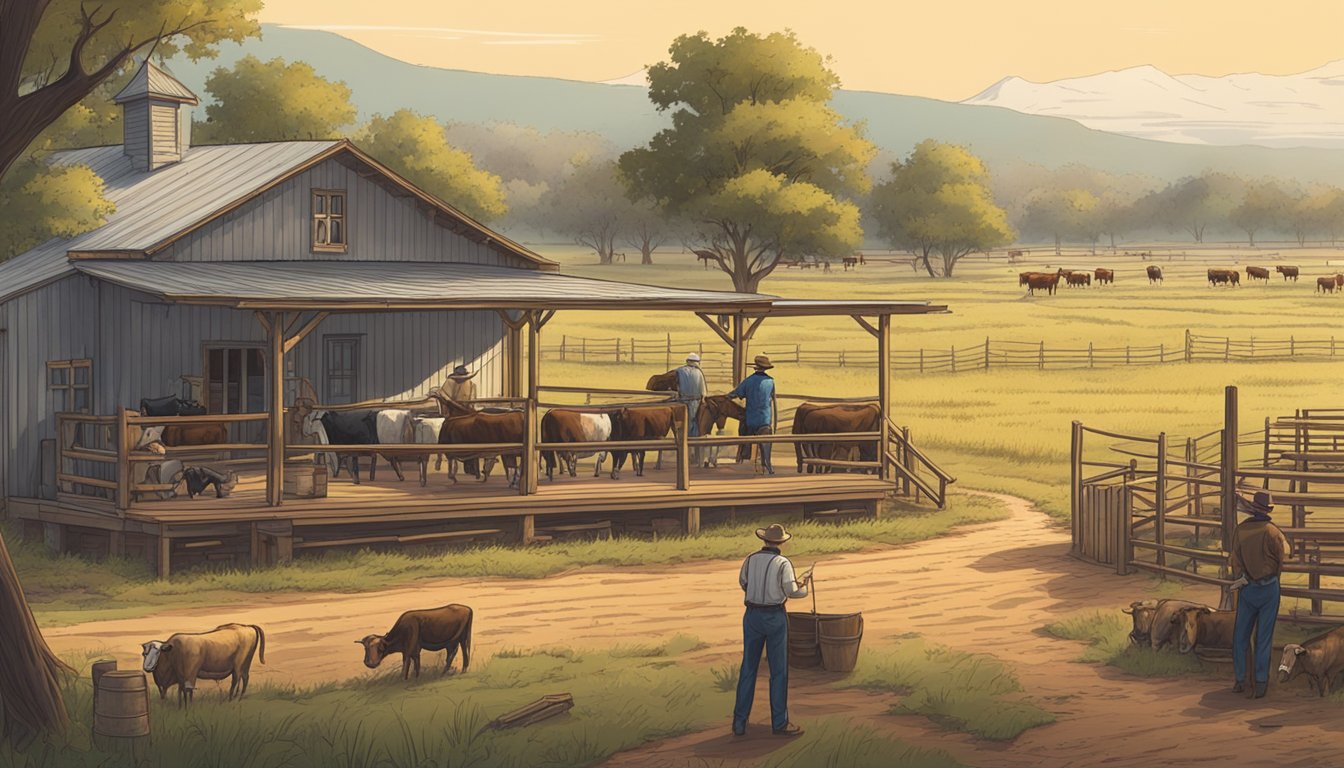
(1168, 505)
(987, 355)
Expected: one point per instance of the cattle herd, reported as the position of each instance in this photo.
(227, 651)
(1049, 281)
(1191, 627)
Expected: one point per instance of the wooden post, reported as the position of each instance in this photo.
(954, 359)
(1126, 354)
(1122, 533)
(528, 529)
(618, 349)
(563, 338)
(527, 483)
(909, 459)
(53, 537)
(884, 393)
(1076, 483)
(682, 430)
(1292, 346)
(1189, 351)
(254, 547)
(164, 561)
(921, 359)
(124, 447)
(1160, 499)
(275, 449)
(1089, 355)
(1227, 349)
(668, 362)
(986, 353)
(1229, 472)
(692, 520)
(739, 331)
(116, 543)
(1162, 352)
(1041, 357)
(513, 380)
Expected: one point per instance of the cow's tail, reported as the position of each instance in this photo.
(465, 640)
(260, 647)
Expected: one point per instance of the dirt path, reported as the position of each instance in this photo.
(986, 588)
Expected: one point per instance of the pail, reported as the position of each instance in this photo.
(121, 705)
(839, 636)
(804, 650)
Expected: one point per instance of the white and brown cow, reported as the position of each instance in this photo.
(225, 651)
(1321, 659)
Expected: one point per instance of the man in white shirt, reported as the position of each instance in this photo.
(768, 581)
(691, 390)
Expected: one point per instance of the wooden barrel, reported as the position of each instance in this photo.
(100, 668)
(804, 652)
(121, 706)
(839, 636)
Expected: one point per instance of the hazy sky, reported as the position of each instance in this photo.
(948, 49)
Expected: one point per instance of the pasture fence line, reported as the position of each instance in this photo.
(990, 354)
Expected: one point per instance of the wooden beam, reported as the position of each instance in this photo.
(527, 483)
(164, 560)
(293, 322)
(261, 318)
(714, 326)
(751, 329)
(545, 318)
(307, 328)
(867, 326)
(507, 316)
(275, 443)
(883, 389)
(692, 520)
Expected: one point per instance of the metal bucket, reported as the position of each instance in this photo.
(839, 636)
(804, 649)
(121, 705)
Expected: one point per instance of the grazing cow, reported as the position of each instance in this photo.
(1224, 276)
(1322, 659)
(1325, 285)
(644, 422)
(1288, 272)
(1164, 613)
(1046, 281)
(466, 425)
(225, 651)
(1141, 611)
(1257, 273)
(1154, 274)
(436, 629)
(1079, 279)
(1204, 628)
(837, 418)
(352, 428)
(560, 425)
(1105, 276)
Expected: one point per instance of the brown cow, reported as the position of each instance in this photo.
(468, 425)
(641, 422)
(1164, 614)
(1287, 271)
(1047, 281)
(1224, 276)
(837, 418)
(1078, 279)
(1339, 280)
(714, 413)
(1141, 611)
(1154, 275)
(1322, 659)
(225, 651)
(1105, 276)
(435, 629)
(1325, 285)
(195, 434)
(1204, 628)
(1257, 273)
(561, 425)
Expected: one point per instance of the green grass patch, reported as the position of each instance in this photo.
(974, 693)
(68, 589)
(837, 743)
(621, 701)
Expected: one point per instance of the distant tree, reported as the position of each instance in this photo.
(1319, 211)
(417, 147)
(590, 208)
(1069, 214)
(39, 202)
(1117, 215)
(938, 201)
(756, 161)
(1265, 205)
(273, 101)
(56, 52)
(1194, 203)
(645, 228)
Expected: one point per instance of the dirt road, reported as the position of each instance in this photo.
(987, 588)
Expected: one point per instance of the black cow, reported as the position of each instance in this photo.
(352, 428)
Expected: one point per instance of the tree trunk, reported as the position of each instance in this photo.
(646, 254)
(30, 690)
(1057, 251)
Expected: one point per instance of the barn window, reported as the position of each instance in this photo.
(342, 369)
(235, 379)
(329, 232)
(71, 385)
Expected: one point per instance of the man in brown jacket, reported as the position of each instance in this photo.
(1258, 549)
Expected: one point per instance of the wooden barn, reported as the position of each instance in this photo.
(249, 276)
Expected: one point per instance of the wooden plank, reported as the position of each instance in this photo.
(275, 477)
(164, 561)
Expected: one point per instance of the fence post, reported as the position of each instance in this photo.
(1160, 500)
(1332, 345)
(1089, 355)
(1228, 477)
(1040, 362)
(986, 353)
(954, 359)
(1189, 352)
(797, 354)
(618, 349)
(921, 359)
(842, 358)
(1076, 483)
(668, 361)
(584, 340)
(1227, 349)
(562, 347)
(632, 349)
(1162, 352)
(1252, 346)
(1292, 346)
(1126, 354)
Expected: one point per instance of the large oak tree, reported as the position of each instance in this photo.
(756, 160)
(273, 101)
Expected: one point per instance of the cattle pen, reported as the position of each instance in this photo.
(105, 503)
(1168, 506)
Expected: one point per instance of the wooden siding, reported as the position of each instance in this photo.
(163, 125)
(381, 227)
(50, 323)
(136, 134)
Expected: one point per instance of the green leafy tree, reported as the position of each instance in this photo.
(41, 202)
(273, 101)
(1063, 214)
(755, 160)
(938, 202)
(417, 147)
(1265, 205)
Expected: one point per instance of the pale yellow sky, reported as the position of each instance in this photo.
(948, 49)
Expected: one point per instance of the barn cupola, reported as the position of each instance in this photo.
(156, 129)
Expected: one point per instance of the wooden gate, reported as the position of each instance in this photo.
(1100, 527)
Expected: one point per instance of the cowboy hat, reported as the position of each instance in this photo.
(461, 373)
(773, 534)
(762, 363)
(694, 357)
(1261, 503)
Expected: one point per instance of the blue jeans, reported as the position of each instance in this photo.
(757, 429)
(769, 631)
(1257, 607)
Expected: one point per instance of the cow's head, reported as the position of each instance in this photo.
(1143, 613)
(1187, 624)
(153, 652)
(1288, 665)
(375, 650)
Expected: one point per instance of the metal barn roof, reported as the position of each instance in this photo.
(354, 286)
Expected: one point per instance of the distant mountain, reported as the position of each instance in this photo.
(625, 116)
(1304, 110)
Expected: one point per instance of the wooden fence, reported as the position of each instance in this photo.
(987, 355)
(1168, 505)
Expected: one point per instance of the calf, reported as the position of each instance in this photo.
(1288, 272)
(1322, 659)
(1325, 284)
(1257, 273)
(1141, 611)
(648, 422)
(1165, 627)
(436, 629)
(1154, 275)
(1204, 628)
(1079, 279)
(225, 651)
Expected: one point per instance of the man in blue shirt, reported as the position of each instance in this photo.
(759, 391)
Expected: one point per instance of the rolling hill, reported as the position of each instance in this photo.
(623, 114)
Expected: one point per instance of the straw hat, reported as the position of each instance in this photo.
(1261, 503)
(773, 534)
(762, 363)
(460, 373)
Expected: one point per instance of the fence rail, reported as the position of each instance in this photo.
(987, 355)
